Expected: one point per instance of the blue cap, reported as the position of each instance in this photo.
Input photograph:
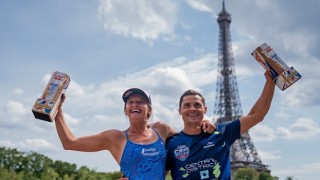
(131, 91)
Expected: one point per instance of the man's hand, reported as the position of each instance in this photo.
(208, 126)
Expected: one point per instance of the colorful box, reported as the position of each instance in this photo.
(283, 76)
(45, 107)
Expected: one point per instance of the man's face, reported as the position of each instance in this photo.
(192, 109)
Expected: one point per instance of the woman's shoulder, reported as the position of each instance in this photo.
(159, 126)
(163, 128)
(114, 133)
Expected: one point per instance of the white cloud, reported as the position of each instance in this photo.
(304, 93)
(71, 120)
(266, 156)
(37, 145)
(165, 82)
(201, 71)
(168, 81)
(199, 5)
(6, 143)
(286, 38)
(301, 129)
(307, 38)
(143, 19)
(16, 111)
(313, 166)
(18, 91)
(46, 78)
(114, 122)
(75, 89)
(262, 133)
(15, 108)
(300, 171)
(17, 117)
(31, 145)
(282, 114)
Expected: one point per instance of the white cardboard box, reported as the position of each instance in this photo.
(45, 107)
(283, 75)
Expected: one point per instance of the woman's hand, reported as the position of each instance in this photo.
(208, 126)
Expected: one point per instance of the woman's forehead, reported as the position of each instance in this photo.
(136, 97)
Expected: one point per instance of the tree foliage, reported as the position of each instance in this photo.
(15, 165)
(252, 174)
(246, 174)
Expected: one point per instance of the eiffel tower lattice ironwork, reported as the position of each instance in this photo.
(227, 103)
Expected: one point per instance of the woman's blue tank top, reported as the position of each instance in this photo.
(144, 161)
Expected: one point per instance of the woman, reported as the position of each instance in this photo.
(139, 150)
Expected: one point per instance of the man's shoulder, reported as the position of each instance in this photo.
(175, 137)
(221, 127)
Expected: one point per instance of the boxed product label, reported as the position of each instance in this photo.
(283, 75)
(45, 107)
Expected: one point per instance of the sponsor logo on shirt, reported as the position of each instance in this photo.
(204, 174)
(182, 152)
(149, 152)
(207, 169)
(209, 144)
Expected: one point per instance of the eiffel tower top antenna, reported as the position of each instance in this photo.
(223, 5)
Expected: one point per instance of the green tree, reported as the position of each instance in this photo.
(289, 178)
(37, 163)
(111, 175)
(25, 166)
(49, 174)
(10, 159)
(246, 174)
(266, 176)
(64, 168)
(84, 173)
(7, 175)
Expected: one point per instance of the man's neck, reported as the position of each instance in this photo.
(194, 130)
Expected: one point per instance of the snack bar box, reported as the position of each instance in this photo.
(283, 75)
(45, 107)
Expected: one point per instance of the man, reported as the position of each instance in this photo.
(192, 154)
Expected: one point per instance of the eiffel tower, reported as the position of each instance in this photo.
(227, 106)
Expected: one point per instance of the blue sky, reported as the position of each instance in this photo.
(164, 47)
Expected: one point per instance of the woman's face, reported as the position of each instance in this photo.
(137, 108)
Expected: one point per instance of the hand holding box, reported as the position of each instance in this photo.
(283, 75)
(45, 107)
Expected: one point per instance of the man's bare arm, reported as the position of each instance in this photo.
(261, 107)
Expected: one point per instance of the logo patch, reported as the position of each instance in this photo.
(204, 174)
(209, 144)
(182, 152)
(128, 94)
(149, 152)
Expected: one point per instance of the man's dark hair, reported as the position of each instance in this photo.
(191, 92)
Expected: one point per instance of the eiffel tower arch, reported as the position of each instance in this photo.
(227, 106)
